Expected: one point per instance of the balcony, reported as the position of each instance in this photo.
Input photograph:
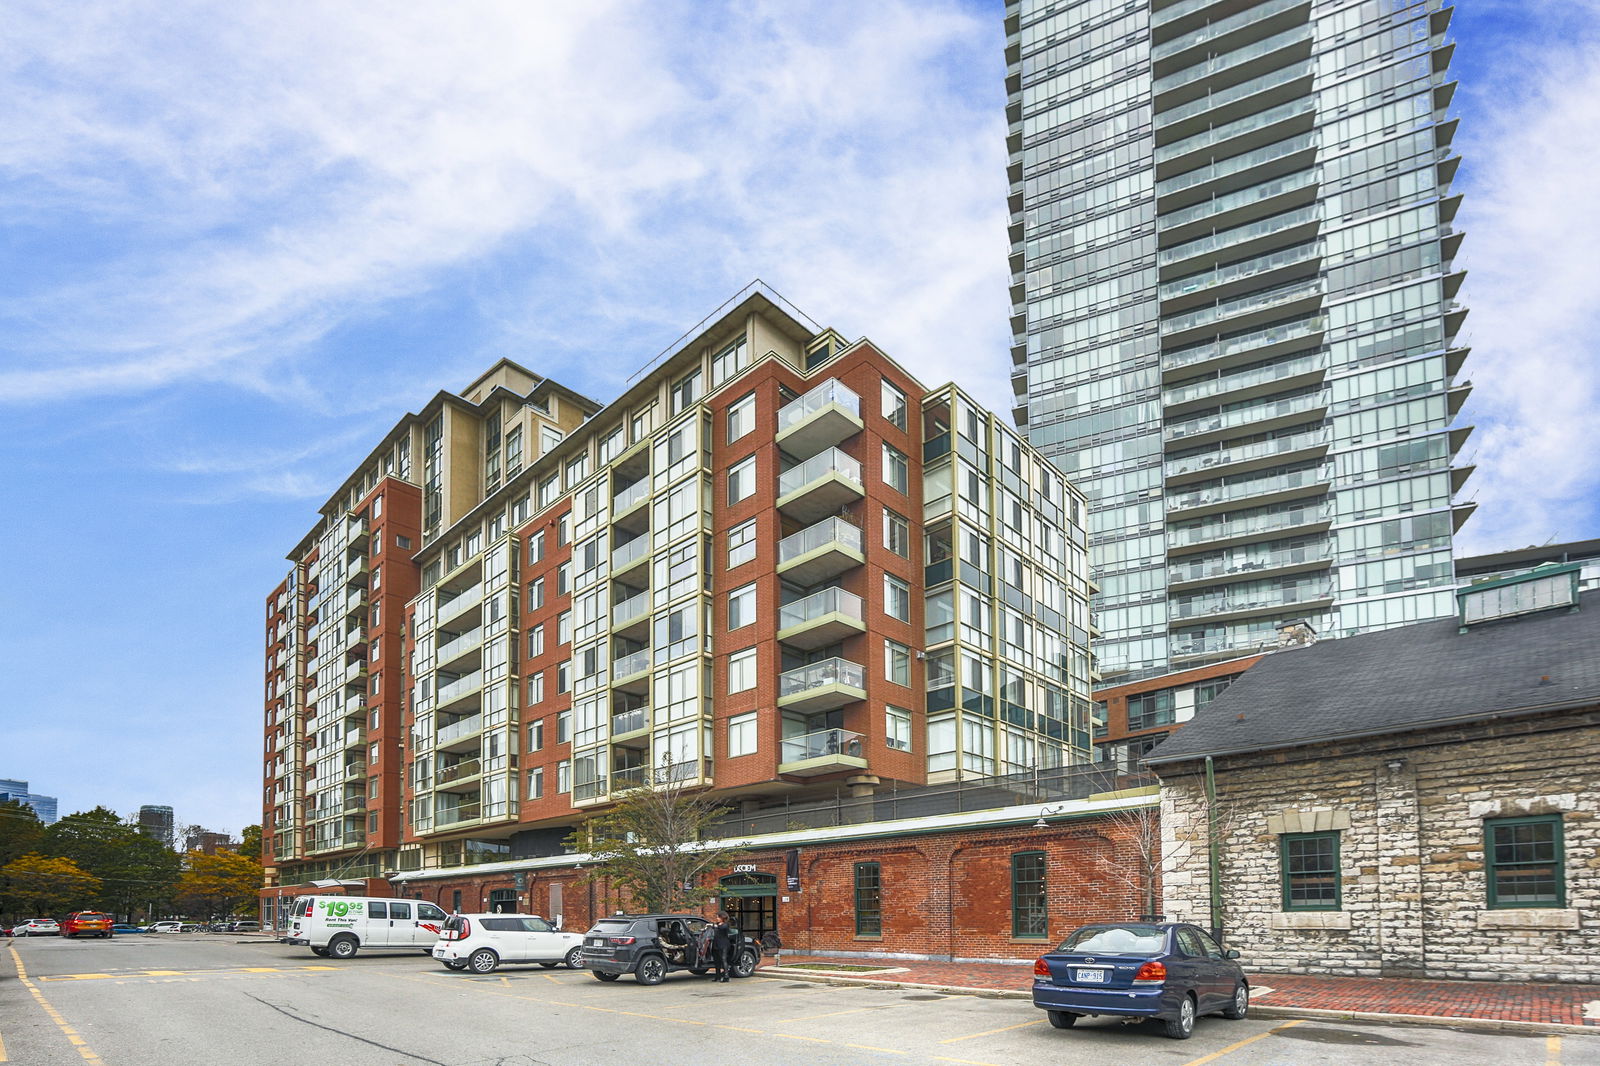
(1226, 175)
(354, 769)
(355, 602)
(1244, 601)
(827, 415)
(589, 791)
(1251, 19)
(1216, 107)
(1239, 564)
(631, 617)
(1269, 53)
(1240, 135)
(822, 618)
(1233, 209)
(456, 814)
(630, 556)
(1261, 417)
(822, 686)
(457, 735)
(827, 751)
(1240, 458)
(457, 648)
(624, 778)
(820, 486)
(629, 497)
(1222, 532)
(1280, 338)
(631, 671)
(458, 774)
(1254, 489)
(458, 690)
(357, 572)
(1239, 385)
(625, 722)
(1267, 269)
(454, 608)
(354, 737)
(355, 674)
(821, 551)
(1241, 311)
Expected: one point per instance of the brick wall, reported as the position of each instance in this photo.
(1412, 875)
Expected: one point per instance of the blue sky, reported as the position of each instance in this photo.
(238, 241)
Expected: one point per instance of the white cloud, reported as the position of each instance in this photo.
(1533, 224)
(268, 171)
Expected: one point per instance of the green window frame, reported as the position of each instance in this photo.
(1310, 865)
(1524, 861)
(1030, 913)
(869, 899)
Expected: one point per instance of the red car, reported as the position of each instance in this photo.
(87, 923)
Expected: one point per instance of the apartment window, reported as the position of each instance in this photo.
(564, 677)
(563, 727)
(896, 533)
(535, 690)
(741, 481)
(513, 452)
(563, 579)
(897, 662)
(896, 471)
(563, 530)
(564, 627)
(564, 776)
(730, 361)
(535, 546)
(536, 735)
(535, 594)
(741, 607)
(894, 405)
(741, 544)
(869, 899)
(536, 783)
(377, 544)
(535, 642)
(1524, 861)
(897, 728)
(742, 735)
(742, 671)
(741, 417)
(377, 576)
(1029, 916)
(896, 598)
(1310, 864)
(402, 542)
(685, 392)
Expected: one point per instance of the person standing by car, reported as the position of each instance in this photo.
(722, 939)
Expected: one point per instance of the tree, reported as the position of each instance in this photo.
(45, 886)
(133, 868)
(651, 844)
(218, 885)
(250, 842)
(20, 831)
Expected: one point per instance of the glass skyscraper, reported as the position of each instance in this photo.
(1234, 313)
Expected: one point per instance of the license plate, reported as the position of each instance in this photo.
(594, 942)
(1091, 977)
(438, 952)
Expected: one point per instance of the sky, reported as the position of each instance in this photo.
(238, 241)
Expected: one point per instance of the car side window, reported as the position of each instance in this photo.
(696, 928)
(536, 925)
(1208, 944)
(430, 912)
(376, 910)
(1189, 942)
(400, 910)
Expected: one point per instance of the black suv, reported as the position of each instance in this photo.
(650, 946)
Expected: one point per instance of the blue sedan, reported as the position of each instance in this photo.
(1134, 970)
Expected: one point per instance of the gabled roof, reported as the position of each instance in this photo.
(1398, 680)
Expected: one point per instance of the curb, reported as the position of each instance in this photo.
(1257, 1009)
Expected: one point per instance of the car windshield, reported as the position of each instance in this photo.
(1131, 939)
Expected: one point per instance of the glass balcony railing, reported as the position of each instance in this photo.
(1223, 97)
(458, 606)
(1239, 490)
(1223, 168)
(1255, 50)
(628, 777)
(828, 531)
(1214, 645)
(828, 392)
(824, 463)
(459, 771)
(822, 743)
(630, 552)
(456, 730)
(819, 605)
(1242, 561)
(472, 638)
(1188, 464)
(833, 671)
(460, 687)
(1246, 598)
(1199, 390)
(631, 608)
(1223, 529)
(1293, 330)
(1242, 305)
(1243, 416)
(629, 721)
(1237, 128)
(1216, 242)
(1212, 30)
(463, 812)
(1242, 270)
(628, 665)
(1300, 179)
(631, 495)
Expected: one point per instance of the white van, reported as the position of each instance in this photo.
(342, 925)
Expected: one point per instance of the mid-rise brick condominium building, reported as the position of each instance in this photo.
(778, 567)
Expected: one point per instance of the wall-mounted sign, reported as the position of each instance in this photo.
(745, 868)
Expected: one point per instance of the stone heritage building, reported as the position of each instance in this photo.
(1415, 803)
(778, 568)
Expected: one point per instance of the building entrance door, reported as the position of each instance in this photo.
(751, 900)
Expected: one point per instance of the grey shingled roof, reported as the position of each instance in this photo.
(1401, 679)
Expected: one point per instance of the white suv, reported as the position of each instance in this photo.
(480, 942)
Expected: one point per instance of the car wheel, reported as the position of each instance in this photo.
(1182, 1027)
(483, 961)
(598, 976)
(320, 952)
(1061, 1019)
(574, 959)
(343, 947)
(652, 970)
(745, 964)
(1241, 1003)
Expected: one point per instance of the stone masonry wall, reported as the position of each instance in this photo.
(1410, 811)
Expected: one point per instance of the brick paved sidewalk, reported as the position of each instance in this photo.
(1560, 1004)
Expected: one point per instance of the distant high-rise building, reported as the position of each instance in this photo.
(1234, 310)
(17, 792)
(157, 822)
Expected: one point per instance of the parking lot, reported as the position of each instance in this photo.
(181, 999)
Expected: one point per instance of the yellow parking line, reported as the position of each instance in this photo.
(812, 1039)
(3, 1056)
(740, 1029)
(964, 1062)
(991, 1032)
(830, 1014)
(55, 1016)
(1215, 1055)
(1552, 1051)
(885, 1050)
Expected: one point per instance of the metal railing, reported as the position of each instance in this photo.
(472, 638)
